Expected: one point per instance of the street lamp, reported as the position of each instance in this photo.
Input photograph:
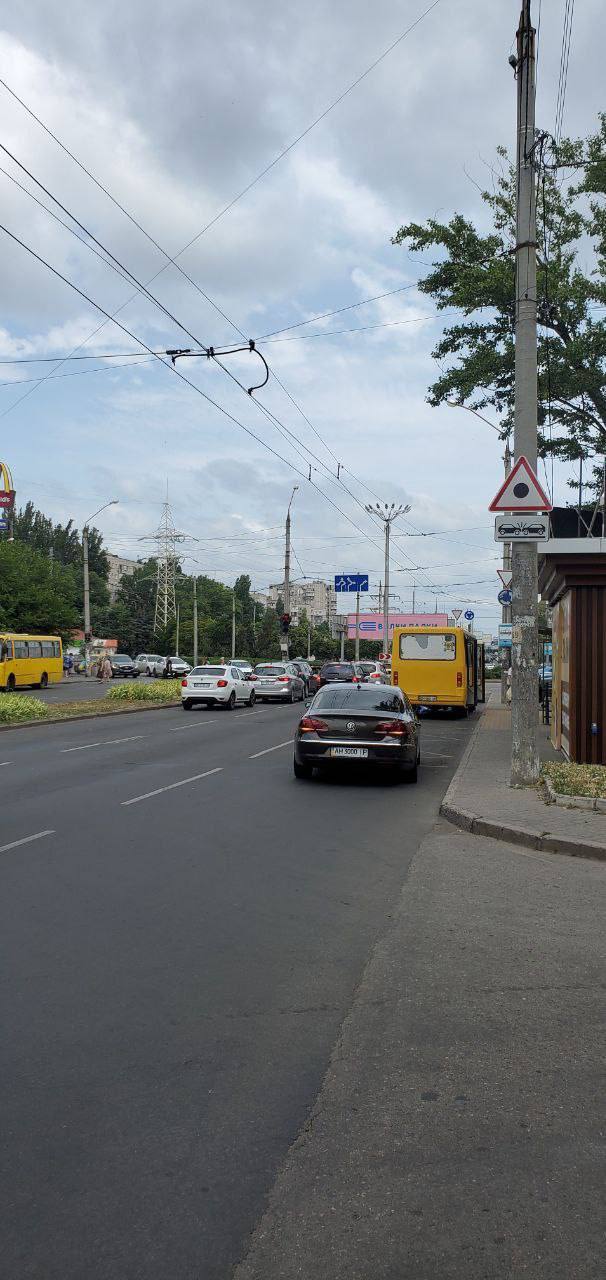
(287, 564)
(457, 404)
(87, 631)
(387, 514)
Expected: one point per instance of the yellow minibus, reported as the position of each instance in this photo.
(439, 667)
(29, 660)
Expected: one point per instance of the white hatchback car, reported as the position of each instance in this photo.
(211, 685)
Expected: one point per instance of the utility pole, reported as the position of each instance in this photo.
(87, 630)
(357, 648)
(195, 655)
(177, 635)
(414, 595)
(233, 624)
(506, 611)
(387, 515)
(287, 565)
(524, 758)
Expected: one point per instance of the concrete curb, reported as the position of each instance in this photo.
(541, 841)
(87, 715)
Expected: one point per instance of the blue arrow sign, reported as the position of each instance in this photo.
(504, 597)
(469, 615)
(351, 582)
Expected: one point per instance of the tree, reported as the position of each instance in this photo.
(475, 274)
(36, 594)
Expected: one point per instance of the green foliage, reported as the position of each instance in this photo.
(576, 779)
(16, 707)
(475, 274)
(36, 594)
(62, 544)
(159, 691)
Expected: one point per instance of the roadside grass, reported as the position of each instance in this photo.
(576, 779)
(15, 708)
(159, 691)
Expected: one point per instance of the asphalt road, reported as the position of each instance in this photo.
(183, 928)
(79, 689)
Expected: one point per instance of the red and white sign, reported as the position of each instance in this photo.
(506, 577)
(521, 491)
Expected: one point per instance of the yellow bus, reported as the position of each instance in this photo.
(29, 660)
(439, 667)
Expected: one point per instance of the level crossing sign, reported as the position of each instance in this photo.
(521, 491)
(351, 582)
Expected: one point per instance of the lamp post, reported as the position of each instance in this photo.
(506, 609)
(387, 514)
(87, 631)
(287, 565)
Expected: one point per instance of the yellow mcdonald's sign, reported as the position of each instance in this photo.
(7, 493)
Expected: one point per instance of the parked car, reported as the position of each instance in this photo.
(122, 665)
(178, 666)
(341, 673)
(278, 681)
(209, 685)
(243, 665)
(145, 662)
(349, 723)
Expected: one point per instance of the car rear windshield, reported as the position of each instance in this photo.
(428, 648)
(367, 666)
(121, 657)
(338, 669)
(359, 697)
(208, 671)
(271, 671)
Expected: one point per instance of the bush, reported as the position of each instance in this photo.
(159, 691)
(15, 707)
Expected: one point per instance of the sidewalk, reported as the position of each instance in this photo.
(479, 798)
(456, 1136)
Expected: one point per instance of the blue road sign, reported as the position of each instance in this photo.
(351, 582)
(469, 615)
(504, 597)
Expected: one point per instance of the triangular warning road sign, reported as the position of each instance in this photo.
(521, 491)
(506, 577)
(456, 613)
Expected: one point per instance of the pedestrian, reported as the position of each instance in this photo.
(69, 664)
(168, 668)
(106, 668)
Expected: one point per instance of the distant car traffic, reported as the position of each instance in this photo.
(341, 673)
(145, 662)
(178, 666)
(278, 681)
(354, 724)
(373, 670)
(243, 665)
(122, 665)
(304, 670)
(223, 684)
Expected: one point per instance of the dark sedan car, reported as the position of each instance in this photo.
(341, 673)
(358, 724)
(122, 665)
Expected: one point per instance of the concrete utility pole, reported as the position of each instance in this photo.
(524, 758)
(287, 565)
(387, 515)
(506, 610)
(357, 648)
(233, 624)
(195, 621)
(87, 631)
(177, 635)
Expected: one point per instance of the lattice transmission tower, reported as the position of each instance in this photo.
(167, 538)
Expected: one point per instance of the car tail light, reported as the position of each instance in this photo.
(311, 724)
(459, 679)
(184, 684)
(283, 679)
(392, 729)
(252, 677)
(221, 684)
(395, 677)
(356, 679)
(375, 675)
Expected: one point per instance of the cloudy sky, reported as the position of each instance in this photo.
(175, 109)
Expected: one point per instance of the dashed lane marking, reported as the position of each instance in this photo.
(14, 844)
(180, 727)
(268, 749)
(107, 742)
(171, 787)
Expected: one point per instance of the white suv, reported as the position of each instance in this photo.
(221, 684)
(146, 662)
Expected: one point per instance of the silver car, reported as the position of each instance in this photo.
(278, 682)
(146, 662)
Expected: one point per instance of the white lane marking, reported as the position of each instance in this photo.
(248, 714)
(14, 844)
(180, 727)
(170, 787)
(3, 763)
(436, 755)
(268, 749)
(107, 742)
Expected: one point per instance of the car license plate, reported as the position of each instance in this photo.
(361, 752)
(427, 697)
(202, 684)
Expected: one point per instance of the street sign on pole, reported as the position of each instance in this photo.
(521, 491)
(505, 630)
(506, 577)
(469, 615)
(351, 582)
(504, 597)
(521, 528)
(456, 613)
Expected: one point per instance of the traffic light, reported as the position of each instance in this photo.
(285, 623)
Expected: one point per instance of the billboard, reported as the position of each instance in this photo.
(371, 624)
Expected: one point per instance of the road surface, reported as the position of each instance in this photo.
(183, 929)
